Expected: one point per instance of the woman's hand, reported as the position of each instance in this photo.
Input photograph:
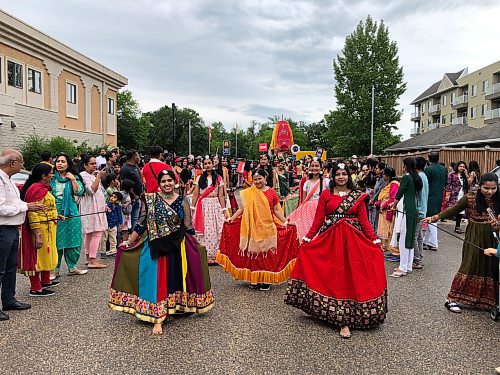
(305, 239)
(70, 176)
(490, 251)
(392, 206)
(430, 219)
(125, 244)
(38, 241)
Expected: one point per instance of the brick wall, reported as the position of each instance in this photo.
(30, 120)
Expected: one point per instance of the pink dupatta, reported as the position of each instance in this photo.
(198, 220)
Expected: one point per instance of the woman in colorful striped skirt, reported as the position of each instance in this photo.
(161, 269)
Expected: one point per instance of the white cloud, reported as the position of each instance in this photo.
(242, 61)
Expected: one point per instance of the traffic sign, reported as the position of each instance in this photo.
(226, 148)
(262, 147)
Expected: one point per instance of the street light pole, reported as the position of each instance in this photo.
(189, 146)
(173, 128)
(373, 112)
(236, 143)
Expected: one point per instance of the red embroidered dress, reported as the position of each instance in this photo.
(340, 276)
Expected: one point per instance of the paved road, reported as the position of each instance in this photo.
(251, 332)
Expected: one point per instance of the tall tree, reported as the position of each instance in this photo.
(162, 134)
(133, 126)
(369, 58)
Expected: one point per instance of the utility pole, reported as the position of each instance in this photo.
(173, 129)
(236, 143)
(373, 113)
(209, 137)
(189, 146)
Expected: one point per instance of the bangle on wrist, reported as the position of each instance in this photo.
(192, 207)
(127, 243)
(377, 241)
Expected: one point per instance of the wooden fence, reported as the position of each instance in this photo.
(485, 157)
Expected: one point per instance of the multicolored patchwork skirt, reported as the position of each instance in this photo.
(151, 289)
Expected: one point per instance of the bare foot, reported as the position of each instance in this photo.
(345, 333)
(158, 329)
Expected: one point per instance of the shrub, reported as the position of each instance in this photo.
(34, 145)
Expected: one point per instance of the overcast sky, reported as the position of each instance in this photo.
(237, 61)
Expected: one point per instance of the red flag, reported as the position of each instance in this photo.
(209, 134)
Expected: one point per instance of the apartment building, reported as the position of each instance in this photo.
(460, 98)
(49, 89)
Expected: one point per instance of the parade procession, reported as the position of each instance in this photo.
(293, 241)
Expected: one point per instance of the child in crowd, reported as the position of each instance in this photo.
(112, 185)
(115, 221)
(127, 194)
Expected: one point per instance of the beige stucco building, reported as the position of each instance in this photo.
(49, 89)
(461, 98)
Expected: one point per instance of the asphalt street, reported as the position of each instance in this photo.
(251, 332)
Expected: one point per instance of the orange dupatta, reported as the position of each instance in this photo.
(258, 233)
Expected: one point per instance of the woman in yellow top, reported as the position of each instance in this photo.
(38, 250)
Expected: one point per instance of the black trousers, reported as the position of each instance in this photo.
(9, 243)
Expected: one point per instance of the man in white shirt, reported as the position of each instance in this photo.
(101, 159)
(12, 214)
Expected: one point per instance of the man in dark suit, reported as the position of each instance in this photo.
(437, 176)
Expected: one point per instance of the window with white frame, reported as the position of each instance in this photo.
(484, 86)
(484, 109)
(443, 119)
(70, 92)
(452, 117)
(453, 95)
(34, 81)
(14, 74)
(473, 90)
(473, 112)
(443, 100)
(111, 106)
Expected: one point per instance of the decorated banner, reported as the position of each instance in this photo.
(262, 147)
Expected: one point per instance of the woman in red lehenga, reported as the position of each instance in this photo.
(340, 275)
(258, 248)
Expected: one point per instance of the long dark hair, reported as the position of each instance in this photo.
(247, 168)
(474, 167)
(71, 167)
(465, 185)
(310, 175)
(411, 167)
(36, 175)
(336, 167)
(481, 205)
(203, 181)
(219, 170)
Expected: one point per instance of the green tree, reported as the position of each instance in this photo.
(133, 126)
(162, 134)
(369, 58)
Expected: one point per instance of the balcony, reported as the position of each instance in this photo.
(493, 92)
(492, 116)
(460, 102)
(435, 109)
(415, 116)
(414, 131)
(462, 120)
(434, 125)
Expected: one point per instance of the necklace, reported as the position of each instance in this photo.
(167, 196)
(341, 193)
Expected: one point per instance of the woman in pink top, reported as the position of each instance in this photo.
(92, 209)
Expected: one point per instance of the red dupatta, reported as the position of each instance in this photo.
(198, 220)
(27, 257)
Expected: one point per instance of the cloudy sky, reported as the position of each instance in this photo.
(237, 61)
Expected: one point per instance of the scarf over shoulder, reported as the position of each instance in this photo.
(258, 233)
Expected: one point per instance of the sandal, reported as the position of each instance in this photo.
(77, 272)
(398, 273)
(96, 266)
(459, 231)
(453, 307)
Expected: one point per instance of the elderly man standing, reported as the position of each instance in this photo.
(12, 214)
